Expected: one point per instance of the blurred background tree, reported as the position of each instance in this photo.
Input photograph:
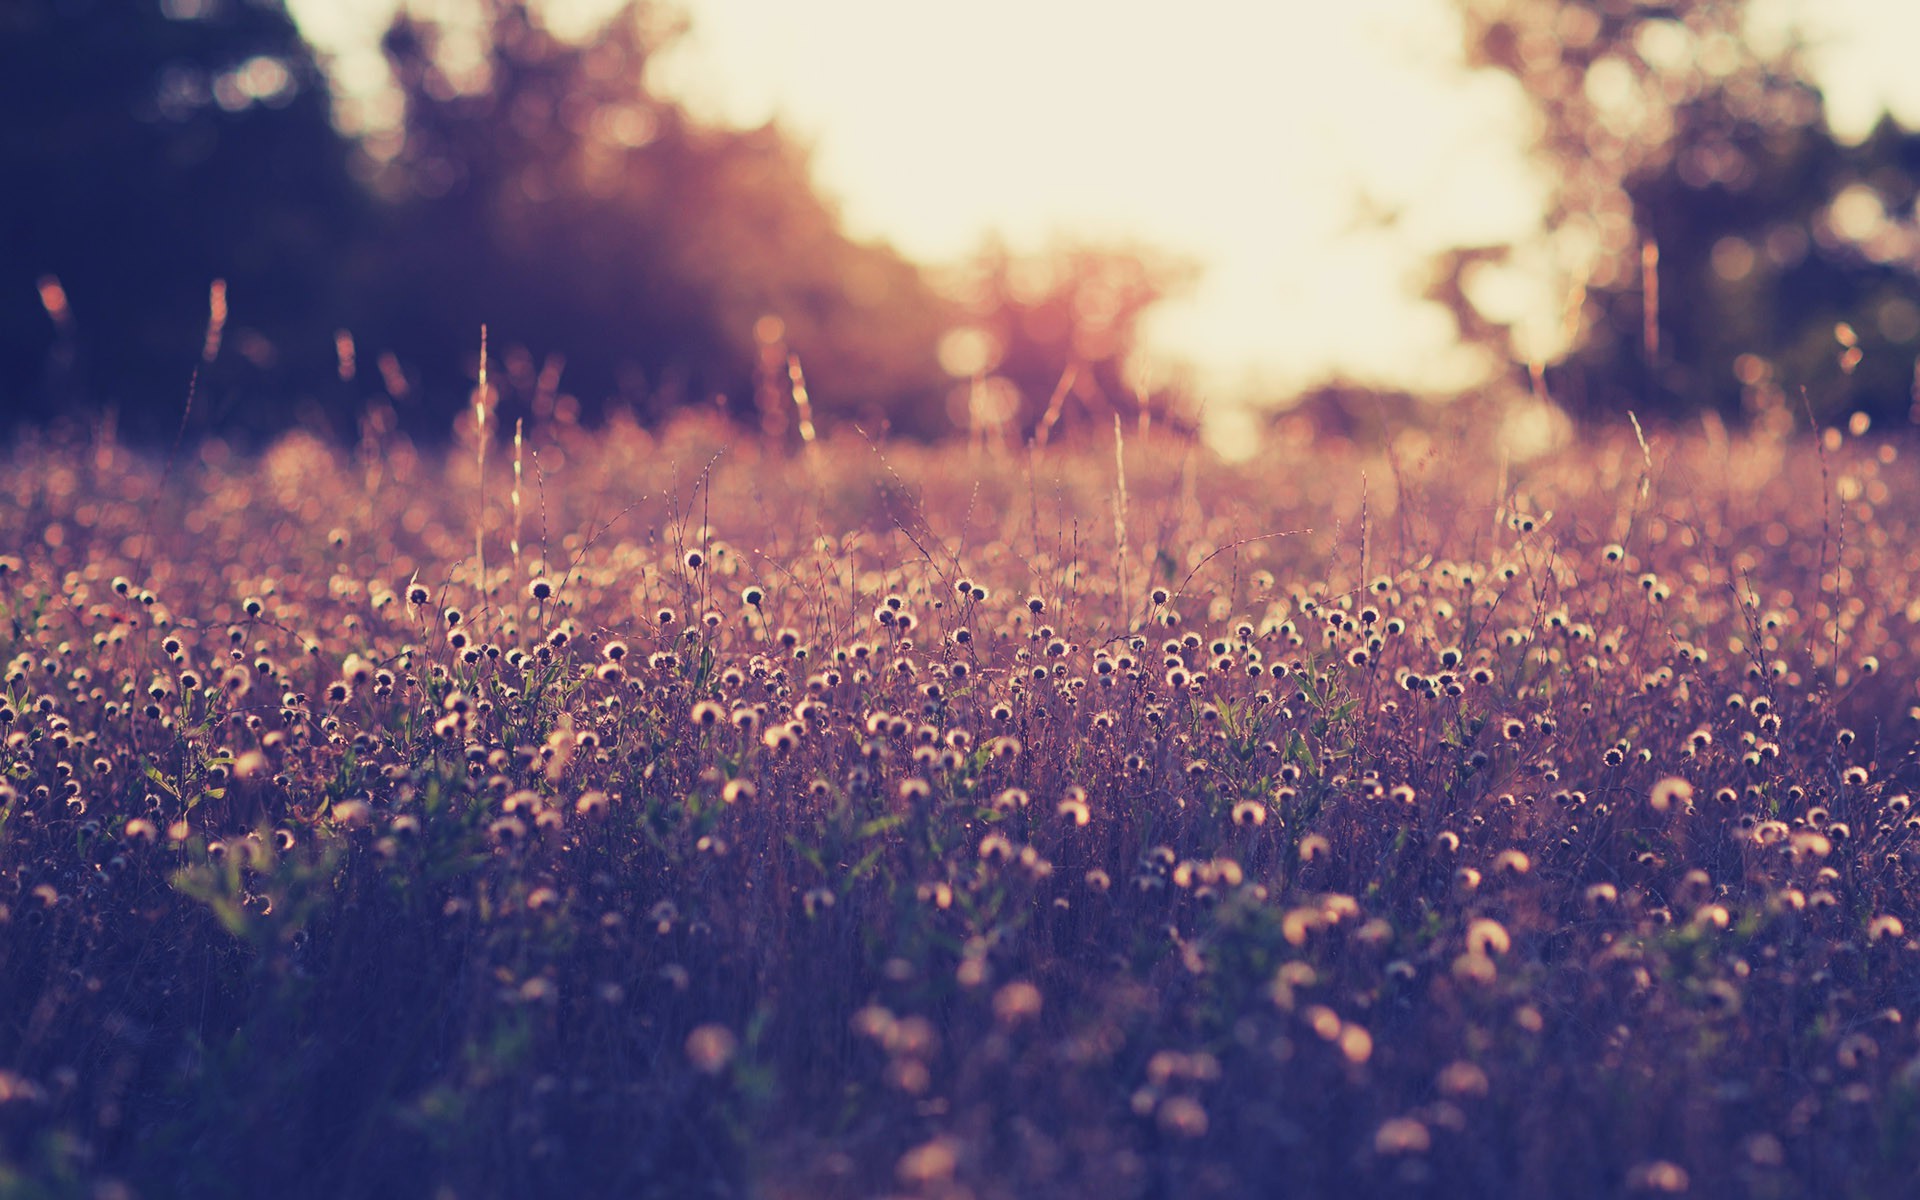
(1695, 176)
(620, 252)
(578, 214)
(1049, 337)
(149, 149)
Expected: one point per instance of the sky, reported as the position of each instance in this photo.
(1309, 156)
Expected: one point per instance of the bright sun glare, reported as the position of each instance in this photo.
(1310, 156)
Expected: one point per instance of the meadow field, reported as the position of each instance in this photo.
(656, 813)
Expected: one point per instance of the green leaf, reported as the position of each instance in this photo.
(160, 781)
(810, 853)
(862, 869)
(1301, 753)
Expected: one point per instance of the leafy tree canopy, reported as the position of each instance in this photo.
(151, 148)
(1698, 184)
(581, 215)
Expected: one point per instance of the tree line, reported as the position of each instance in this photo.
(1722, 249)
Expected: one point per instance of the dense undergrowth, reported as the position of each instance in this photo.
(951, 822)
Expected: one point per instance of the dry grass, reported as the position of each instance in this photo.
(844, 823)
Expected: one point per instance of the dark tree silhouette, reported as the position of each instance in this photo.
(1767, 288)
(1696, 178)
(578, 214)
(148, 154)
(620, 253)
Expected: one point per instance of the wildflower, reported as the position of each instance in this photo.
(1462, 1079)
(1487, 937)
(874, 1022)
(1401, 1135)
(1712, 916)
(1182, 1116)
(351, 814)
(236, 682)
(1473, 967)
(928, 1164)
(1512, 862)
(1659, 1176)
(1016, 1002)
(1298, 923)
(710, 1048)
(1356, 1044)
(1670, 792)
(1808, 843)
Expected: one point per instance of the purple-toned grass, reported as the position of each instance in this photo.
(823, 825)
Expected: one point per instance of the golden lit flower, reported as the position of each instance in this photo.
(710, 1048)
(1401, 1135)
(1016, 1002)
